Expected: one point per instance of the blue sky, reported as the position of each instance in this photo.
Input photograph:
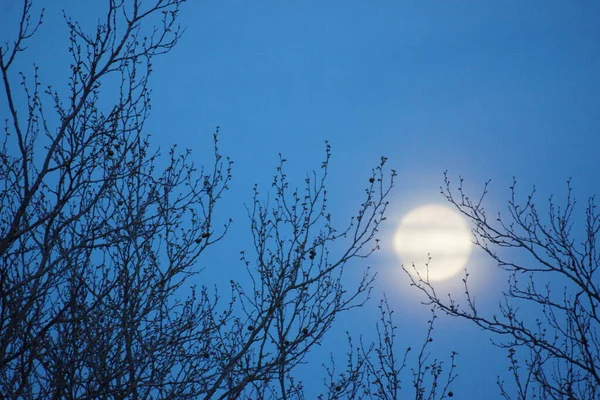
(487, 90)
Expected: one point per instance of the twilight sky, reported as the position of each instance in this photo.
(486, 90)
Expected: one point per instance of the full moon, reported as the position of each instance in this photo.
(438, 232)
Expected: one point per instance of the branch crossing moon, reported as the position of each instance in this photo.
(433, 231)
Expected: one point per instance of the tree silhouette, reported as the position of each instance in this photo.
(375, 370)
(100, 237)
(551, 268)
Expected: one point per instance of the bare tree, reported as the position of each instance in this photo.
(92, 247)
(552, 268)
(100, 237)
(297, 287)
(375, 371)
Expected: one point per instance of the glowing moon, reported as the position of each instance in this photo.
(436, 231)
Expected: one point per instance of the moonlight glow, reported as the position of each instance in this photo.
(436, 231)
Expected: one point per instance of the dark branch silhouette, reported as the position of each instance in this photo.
(551, 268)
(100, 237)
